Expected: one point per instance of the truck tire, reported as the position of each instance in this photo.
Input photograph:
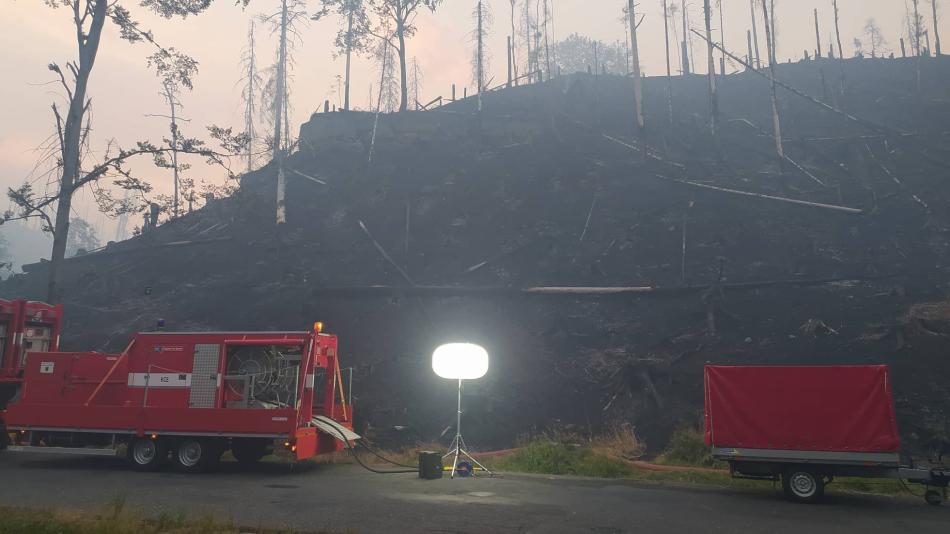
(933, 497)
(803, 485)
(193, 455)
(249, 451)
(147, 454)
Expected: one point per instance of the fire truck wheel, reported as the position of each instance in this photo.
(197, 455)
(802, 485)
(147, 454)
(248, 451)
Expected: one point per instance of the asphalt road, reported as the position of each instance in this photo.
(349, 499)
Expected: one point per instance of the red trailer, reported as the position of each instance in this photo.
(188, 396)
(808, 425)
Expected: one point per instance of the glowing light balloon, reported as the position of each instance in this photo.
(460, 361)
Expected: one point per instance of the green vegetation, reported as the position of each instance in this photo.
(687, 447)
(115, 519)
(557, 455)
(557, 458)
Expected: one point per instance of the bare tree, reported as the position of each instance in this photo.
(834, 5)
(416, 83)
(722, 36)
(711, 72)
(351, 37)
(284, 24)
(513, 52)
(529, 30)
(251, 79)
(89, 18)
(875, 37)
(575, 53)
(687, 40)
(674, 10)
(386, 99)
(170, 93)
(400, 14)
(936, 26)
(776, 120)
(637, 78)
(669, 74)
(755, 35)
(483, 20)
(818, 53)
(547, 49)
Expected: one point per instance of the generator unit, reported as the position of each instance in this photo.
(188, 397)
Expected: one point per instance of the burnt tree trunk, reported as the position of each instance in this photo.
(403, 83)
(88, 44)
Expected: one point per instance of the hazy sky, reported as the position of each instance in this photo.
(124, 89)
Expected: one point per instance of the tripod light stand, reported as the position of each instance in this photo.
(460, 361)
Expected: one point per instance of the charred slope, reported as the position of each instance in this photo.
(550, 187)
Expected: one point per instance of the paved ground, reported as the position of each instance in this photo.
(346, 498)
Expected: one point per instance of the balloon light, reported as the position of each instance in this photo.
(460, 361)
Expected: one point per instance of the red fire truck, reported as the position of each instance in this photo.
(188, 397)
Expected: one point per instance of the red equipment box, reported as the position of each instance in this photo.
(828, 408)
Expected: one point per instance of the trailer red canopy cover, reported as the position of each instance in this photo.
(828, 408)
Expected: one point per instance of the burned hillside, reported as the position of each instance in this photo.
(601, 267)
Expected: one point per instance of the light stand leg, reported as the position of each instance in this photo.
(457, 449)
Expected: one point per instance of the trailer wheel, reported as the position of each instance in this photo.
(933, 497)
(802, 485)
(147, 454)
(196, 455)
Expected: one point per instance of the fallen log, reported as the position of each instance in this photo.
(379, 291)
(833, 207)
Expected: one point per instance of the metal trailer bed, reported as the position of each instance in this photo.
(804, 474)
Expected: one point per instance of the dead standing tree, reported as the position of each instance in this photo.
(755, 36)
(249, 93)
(401, 14)
(483, 20)
(284, 24)
(669, 74)
(722, 37)
(711, 72)
(933, 4)
(686, 40)
(513, 51)
(776, 120)
(834, 5)
(350, 38)
(89, 18)
(637, 78)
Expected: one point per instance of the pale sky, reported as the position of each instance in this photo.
(124, 89)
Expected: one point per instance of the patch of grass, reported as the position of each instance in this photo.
(115, 519)
(548, 456)
(620, 442)
(688, 447)
(556, 455)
